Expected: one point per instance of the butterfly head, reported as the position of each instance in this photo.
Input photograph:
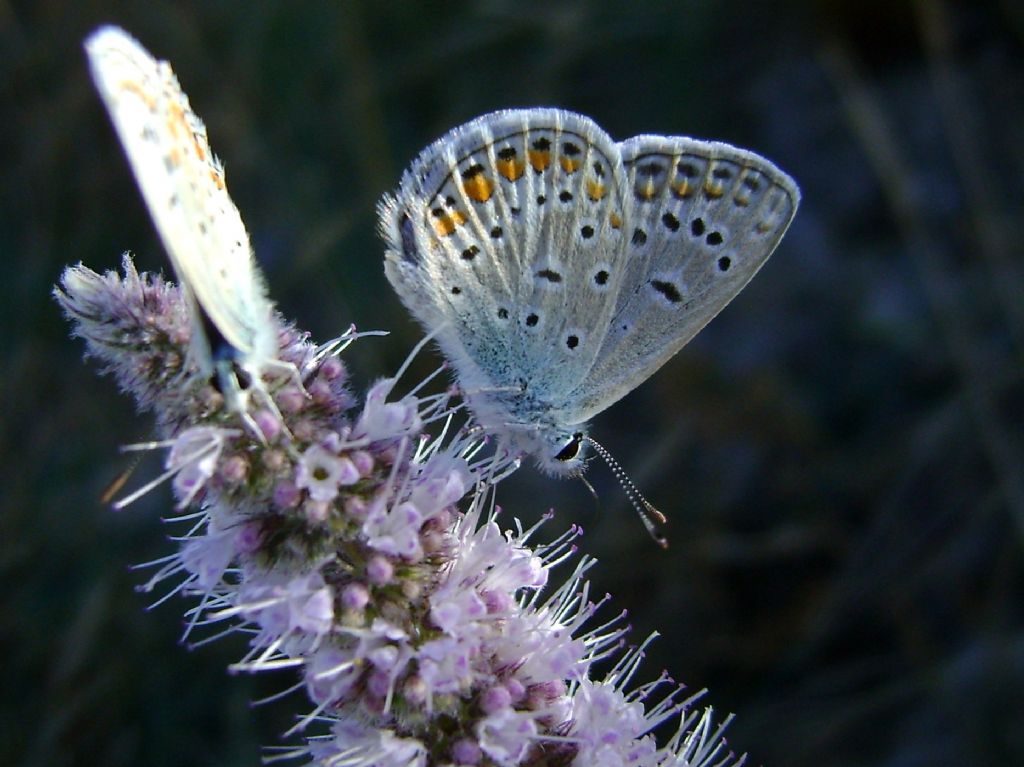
(559, 452)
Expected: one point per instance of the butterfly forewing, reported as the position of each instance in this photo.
(509, 228)
(183, 185)
(705, 218)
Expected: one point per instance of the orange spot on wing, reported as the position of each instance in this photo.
(540, 159)
(646, 190)
(446, 223)
(596, 190)
(568, 164)
(176, 118)
(615, 220)
(511, 169)
(682, 189)
(479, 188)
(713, 190)
(133, 87)
(200, 147)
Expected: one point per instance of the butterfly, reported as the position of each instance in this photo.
(233, 335)
(559, 269)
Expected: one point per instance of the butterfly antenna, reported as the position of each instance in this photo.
(649, 515)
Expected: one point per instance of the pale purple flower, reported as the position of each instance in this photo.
(208, 557)
(507, 735)
(282, 604)
(332, 369)
(331, 673)
(445, 665)
(607, 728)
(355, 596)
(493, 563)
(495, 699)
(538, 650)
(287, 494)
(193, 458)
(363, 461)
(382, 420)
(394, 530)
(379, 570)
(439, 483)
(356, 744)
(268, 423)
(291, 399)
(321, 473)
(454, 607)
(248, 537)
(466, 752)
(379, 653)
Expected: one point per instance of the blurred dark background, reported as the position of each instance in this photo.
(840, 452)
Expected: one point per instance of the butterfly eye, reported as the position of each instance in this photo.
(571, 449)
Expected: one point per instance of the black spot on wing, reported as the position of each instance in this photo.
(409, 251)
(669, 291)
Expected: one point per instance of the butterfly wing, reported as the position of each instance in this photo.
(183, 186)
(505, 238)
(705, 218)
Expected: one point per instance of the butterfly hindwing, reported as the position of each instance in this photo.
(706, 216)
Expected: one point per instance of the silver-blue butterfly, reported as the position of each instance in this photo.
(559, 269)
(184, 188)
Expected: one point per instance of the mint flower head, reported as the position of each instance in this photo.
(357, 543)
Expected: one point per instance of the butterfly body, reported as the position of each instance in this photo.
(559, 269)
